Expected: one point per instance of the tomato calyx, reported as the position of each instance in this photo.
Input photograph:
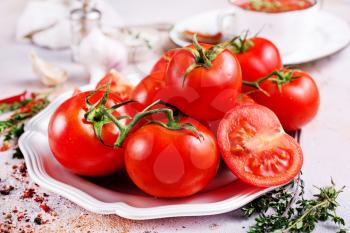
(203, 58)
(98, 115)
(279, 77)
(172, 123)
(95, 114)
(240, 44)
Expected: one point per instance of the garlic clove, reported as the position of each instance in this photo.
(49, 74)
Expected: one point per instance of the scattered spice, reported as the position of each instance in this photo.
(4, 147)
(38, 220)
(5, 228)
(213, 226)
(38, 199)
(22, 169)
(45, 207)
(20, 216)
(6, 189)
(28, 193)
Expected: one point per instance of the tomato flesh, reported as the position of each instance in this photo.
(255, 147)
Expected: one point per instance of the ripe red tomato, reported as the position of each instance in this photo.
(206, 93)
(259, 60)
(74, 143)
(241, 99)
(171, 163)
(255, 147)
(117, 82)
(295, 103)
(150, 88)
(146, 92)
(162, 64)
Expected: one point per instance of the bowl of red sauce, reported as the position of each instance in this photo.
(285, 22)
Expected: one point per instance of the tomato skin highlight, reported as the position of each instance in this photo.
(73, 141)
(171, 163)
(206, 93)
(255, 147)
(259, 61)
(295, 104)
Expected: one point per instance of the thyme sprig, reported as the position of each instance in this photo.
(286, 210)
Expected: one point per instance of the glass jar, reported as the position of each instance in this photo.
(83, 21)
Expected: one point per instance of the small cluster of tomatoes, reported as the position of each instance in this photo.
(170, 130)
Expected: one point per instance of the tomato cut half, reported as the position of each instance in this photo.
(255, 147)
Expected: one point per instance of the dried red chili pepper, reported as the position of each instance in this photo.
(17, 98)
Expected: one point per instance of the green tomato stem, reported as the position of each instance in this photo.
(280, 79)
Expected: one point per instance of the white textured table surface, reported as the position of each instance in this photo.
(325, 141)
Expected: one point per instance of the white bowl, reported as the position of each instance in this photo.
(329, 35)
(288, 30)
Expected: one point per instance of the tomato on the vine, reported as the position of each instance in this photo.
(74, 143)
(292, 95)
(171, 163)
(203, 81)
(257, 56)
(255, 147)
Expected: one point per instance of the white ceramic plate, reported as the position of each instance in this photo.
(116, 194)
(330, 35)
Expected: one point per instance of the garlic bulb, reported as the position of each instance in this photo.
(49, 74)
(99, 53)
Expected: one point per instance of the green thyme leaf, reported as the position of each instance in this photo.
(286, 210)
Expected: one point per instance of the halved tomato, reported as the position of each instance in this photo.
(255, 147)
